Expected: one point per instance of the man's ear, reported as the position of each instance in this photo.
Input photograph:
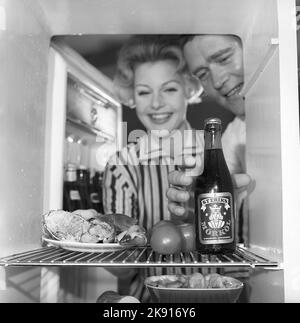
(193, 89)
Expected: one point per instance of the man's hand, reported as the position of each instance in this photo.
(179, 182)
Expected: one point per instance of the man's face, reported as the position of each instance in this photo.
(217, 60)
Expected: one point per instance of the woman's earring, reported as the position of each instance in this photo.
(131, 104)
(195, 89)
(195, 96)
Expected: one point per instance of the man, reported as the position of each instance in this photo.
(217, 61)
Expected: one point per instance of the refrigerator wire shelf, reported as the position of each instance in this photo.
(135, 257)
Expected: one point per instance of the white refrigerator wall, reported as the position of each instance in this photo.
(24, 49)
(273, 154)
(23, 80)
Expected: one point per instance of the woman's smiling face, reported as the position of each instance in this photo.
(160, 95)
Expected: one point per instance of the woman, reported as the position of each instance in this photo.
(153, 78)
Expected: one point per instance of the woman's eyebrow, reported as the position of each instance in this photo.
(163, 84)
(170, 81)
(141, 84)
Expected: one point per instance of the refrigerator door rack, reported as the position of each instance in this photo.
(135, 257)
(90, 129)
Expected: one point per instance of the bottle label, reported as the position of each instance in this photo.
(215, 218)
(94, 198)
(74, 195)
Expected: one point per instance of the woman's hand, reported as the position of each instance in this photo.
(179, 182)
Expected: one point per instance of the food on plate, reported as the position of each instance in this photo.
(92, 227)
(122, 222)
(134, 236)
(196, 280)
(113, 297)
(87, 214)
(67, 226)
(166, 238)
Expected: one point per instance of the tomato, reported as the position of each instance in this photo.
(166, 238)
(188, 236)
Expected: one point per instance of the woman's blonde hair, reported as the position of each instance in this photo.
(143, 49)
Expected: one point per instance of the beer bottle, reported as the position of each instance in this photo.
(214, 196)
(72, 199)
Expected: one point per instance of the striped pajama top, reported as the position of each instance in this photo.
(136, 178)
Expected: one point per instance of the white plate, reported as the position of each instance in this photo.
(85, 247)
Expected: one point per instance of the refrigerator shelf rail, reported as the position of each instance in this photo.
(135, 257)
(90, 129)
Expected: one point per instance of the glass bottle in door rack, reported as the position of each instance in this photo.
(214, 197)
(71, 195)
(83, 179)
(96, 192)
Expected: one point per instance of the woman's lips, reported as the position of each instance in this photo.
(160, 118)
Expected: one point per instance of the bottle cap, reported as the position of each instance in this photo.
(212, 121)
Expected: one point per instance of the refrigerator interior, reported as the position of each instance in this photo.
(268, 31)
